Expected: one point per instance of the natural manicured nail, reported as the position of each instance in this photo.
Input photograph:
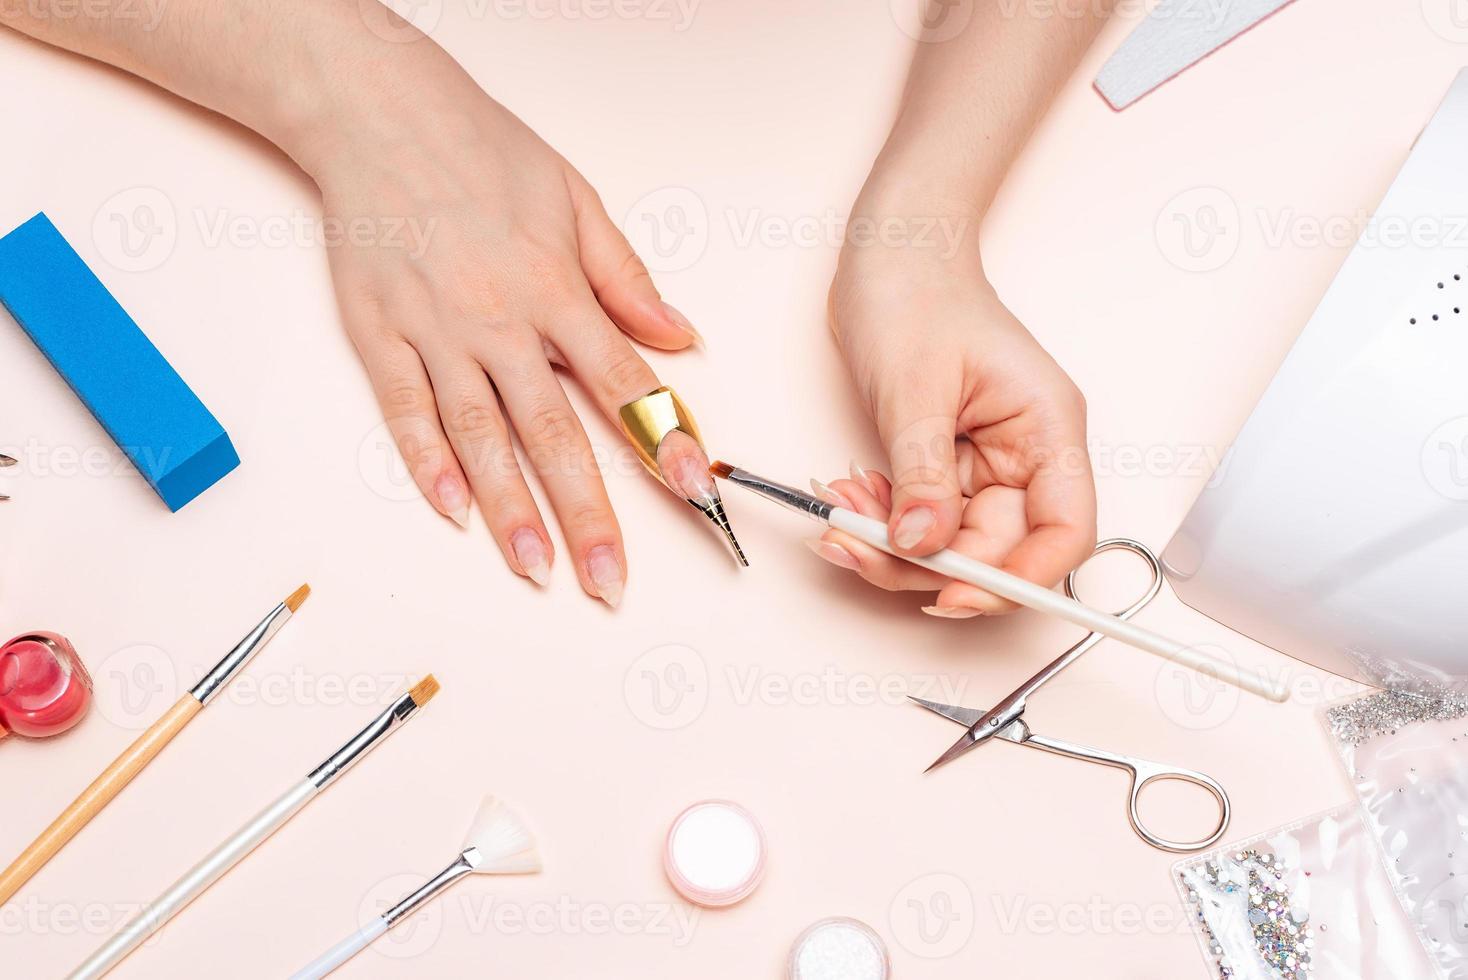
(913, 526)
(453, 498)
(835, 554)
(831, 496)
(682, 323)
(530, 552)
(860, 475)
(605, 572)
(952, 612)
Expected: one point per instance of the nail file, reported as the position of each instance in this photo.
(1175, 35)
(96, 347)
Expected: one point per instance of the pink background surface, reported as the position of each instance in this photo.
(779, 686)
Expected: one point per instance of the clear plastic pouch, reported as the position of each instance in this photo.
(1310, 901)
(1407, 756)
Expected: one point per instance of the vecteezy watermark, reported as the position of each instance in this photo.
(832, 229)
(147, 14)
(1200, 700)
(401, 21)
(670, 686)
(1198, 230)
(33, 916)
(138, 229)
(677, 13)
(386, 466)
(138, 683)
(1448, 19)
(485, 914)
(298, 229)
(1096, 916)
(1201, 229)
(931, 21)
(667, 687)
(406, 21)
(668, 228)
(933, 916)
(671, 229)
(1445, 458)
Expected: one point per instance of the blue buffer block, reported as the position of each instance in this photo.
(132, 390)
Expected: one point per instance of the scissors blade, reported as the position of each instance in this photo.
(968, 718)
(964, 716)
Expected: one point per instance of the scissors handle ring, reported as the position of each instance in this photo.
(1141, 551)
(1144, 773)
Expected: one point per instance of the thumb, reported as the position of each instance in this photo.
(621, 282)
(919, 429)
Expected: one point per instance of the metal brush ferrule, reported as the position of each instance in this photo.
(797, 501)
(463, 864)
(364, 741)
(235, 660)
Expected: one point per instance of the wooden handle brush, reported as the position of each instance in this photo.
(137, 756)
(234, 849)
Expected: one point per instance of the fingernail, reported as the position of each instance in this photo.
(682, 323)
(913, 526)
(453, 498)
(605, 573)
(530, 552)
(834, 553)
(831, 496)
(860, 475)
(952, 612)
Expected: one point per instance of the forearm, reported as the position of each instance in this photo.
(972, 100)
(280, 67)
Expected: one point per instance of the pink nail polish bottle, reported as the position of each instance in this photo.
(44, 686)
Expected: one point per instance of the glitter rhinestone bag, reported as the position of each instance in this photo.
(1310, 901)
(1407, 756)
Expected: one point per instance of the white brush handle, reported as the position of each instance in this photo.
(1016, 589)
(193, 884)
(342, 951)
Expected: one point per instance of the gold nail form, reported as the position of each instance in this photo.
(647, 422)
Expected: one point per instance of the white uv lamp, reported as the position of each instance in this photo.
(1337, 529)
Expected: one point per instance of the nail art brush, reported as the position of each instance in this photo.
(1002, 583)
(137, 756)
(4, 462)
(498, 843)
(234, 849)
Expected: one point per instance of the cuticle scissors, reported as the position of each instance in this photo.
(1006, 720)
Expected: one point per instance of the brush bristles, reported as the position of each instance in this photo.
(294, 600)
(720, 469)
(423, 691)
(504, 843)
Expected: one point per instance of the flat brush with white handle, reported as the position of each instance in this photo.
(498, 843)
(1002, 583)
(251, 835)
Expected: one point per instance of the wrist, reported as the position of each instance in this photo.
(350, 85)
(906, 217)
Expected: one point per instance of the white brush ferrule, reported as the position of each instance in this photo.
(464, 864)
(363, 742)
(244, 651)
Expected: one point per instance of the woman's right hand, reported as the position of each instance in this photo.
(505, 266)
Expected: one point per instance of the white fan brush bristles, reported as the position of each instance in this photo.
(499, 843)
